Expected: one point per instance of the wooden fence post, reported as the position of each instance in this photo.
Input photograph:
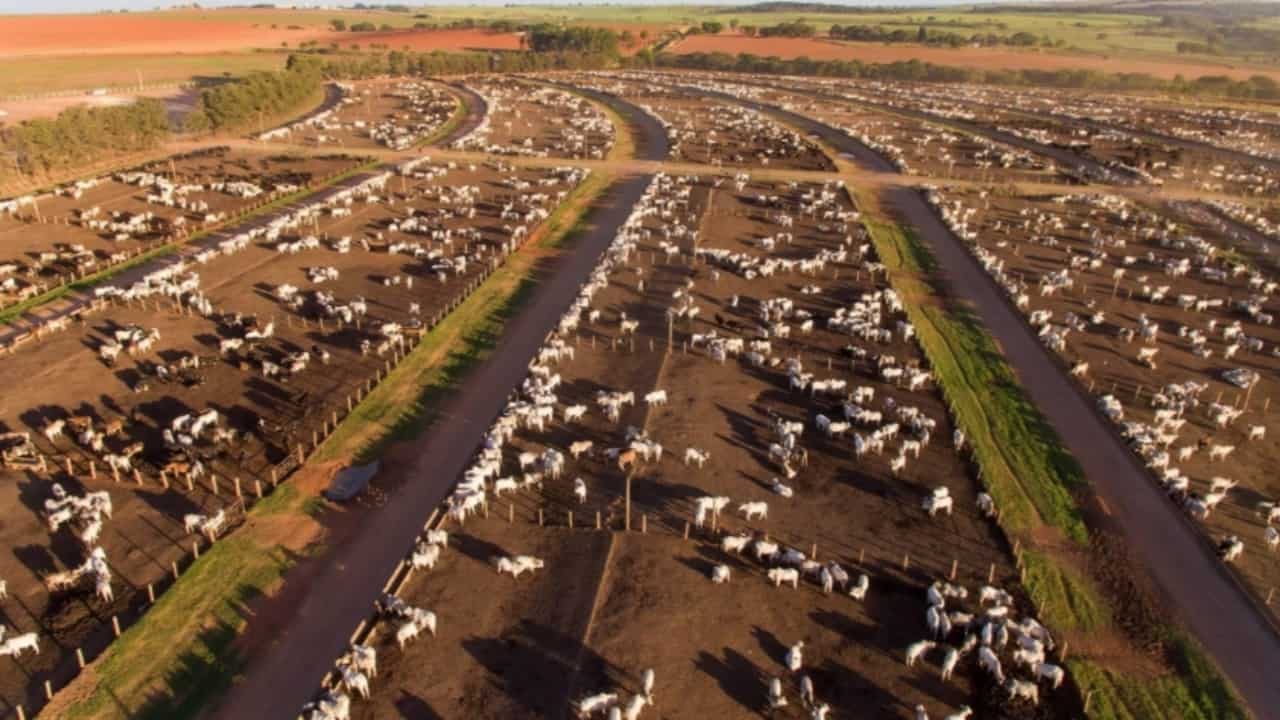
(540, 523)
(686, 529)
(80, 658)
(511, 513)
(257, 488)
(597, 519)
(115, 625)
(991, 574)
(151, 593)
(570, 519)
(173, 565)
(955, 565)
(906, 561)
(195, 548)
(644, 523)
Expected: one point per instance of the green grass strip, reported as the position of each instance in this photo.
(181, 655)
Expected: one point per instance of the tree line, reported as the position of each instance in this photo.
(359, 66)
(252, 99)
(81, 135)
(1258, 87)
(925, 36)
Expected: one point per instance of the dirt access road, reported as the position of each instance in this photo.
(340, 595)
(1219, 613)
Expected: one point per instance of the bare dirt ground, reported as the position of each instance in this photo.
(46, 35)
(710, 133)
(54, 239)
(609, 605)
(384, 113)
(19, 110)
(271, 416)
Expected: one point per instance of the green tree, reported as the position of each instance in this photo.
(338, 24)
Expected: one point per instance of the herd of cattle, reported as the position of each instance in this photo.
(732, 281)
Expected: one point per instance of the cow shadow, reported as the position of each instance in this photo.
(412, 707)
(739, 678)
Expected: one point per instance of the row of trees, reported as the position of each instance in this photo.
(922, 35)
(368, 65)
(575, 39)
(254, 98)
(798, 28)
(1258, 87)
(81, 135)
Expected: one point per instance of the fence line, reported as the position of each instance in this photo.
(288, 465)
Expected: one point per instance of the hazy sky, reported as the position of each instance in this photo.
(68, 6)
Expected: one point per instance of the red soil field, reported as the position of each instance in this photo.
(99, 34)
(985, 58)
(121, 34)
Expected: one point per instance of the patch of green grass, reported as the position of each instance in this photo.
(181, 654)
(406, 400)
(1194, 691)
(1064, 598)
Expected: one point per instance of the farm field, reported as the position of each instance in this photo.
(980, 58)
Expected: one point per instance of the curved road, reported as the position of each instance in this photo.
(477, 108)
(342, 592)
(1217, 610)
(1087, 167)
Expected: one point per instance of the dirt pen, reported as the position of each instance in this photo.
(277, 422)
(625, 585)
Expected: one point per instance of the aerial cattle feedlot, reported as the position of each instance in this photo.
(779, 456)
